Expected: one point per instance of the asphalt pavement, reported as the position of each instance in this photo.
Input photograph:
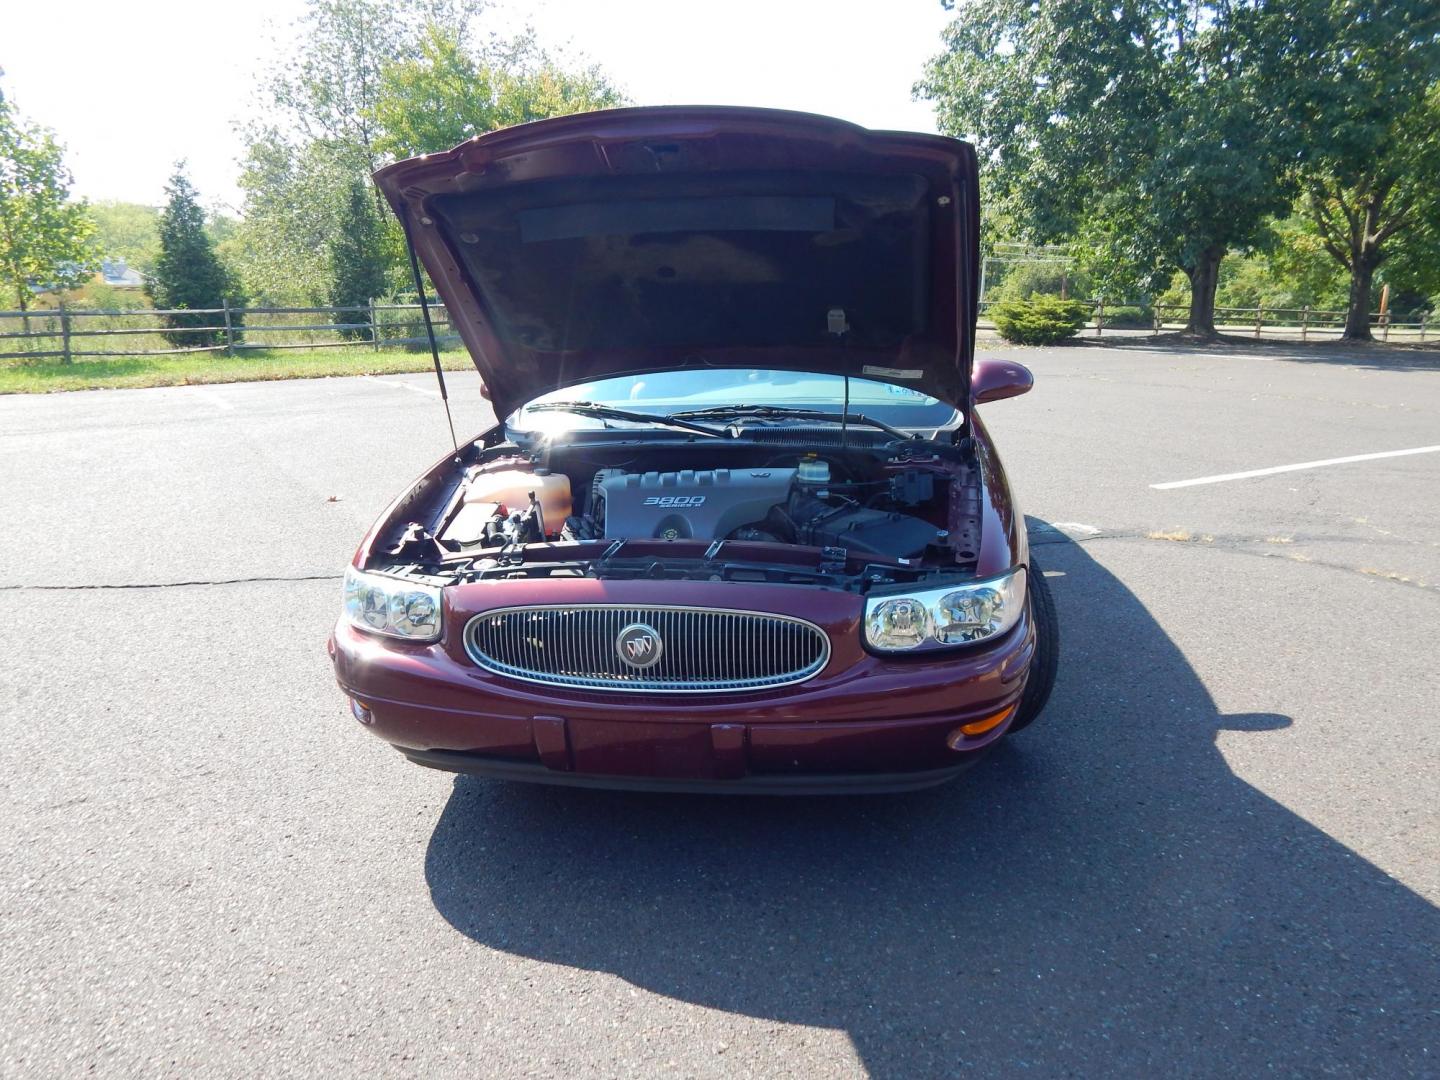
(1216, 854)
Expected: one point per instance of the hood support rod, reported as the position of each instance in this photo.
(429, 325)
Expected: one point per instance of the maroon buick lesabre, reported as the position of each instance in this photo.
(741, 528)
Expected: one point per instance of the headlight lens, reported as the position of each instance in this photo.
(395, 608)
(899, 623)
(938, 618)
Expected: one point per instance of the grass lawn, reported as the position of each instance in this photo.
(44, 376)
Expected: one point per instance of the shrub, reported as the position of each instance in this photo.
(1041, 320)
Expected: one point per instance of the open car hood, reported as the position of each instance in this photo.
(637, 240)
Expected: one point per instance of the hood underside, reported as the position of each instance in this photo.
(637, 240)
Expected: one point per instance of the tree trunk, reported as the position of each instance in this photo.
(1357, 314)
(1204, 276)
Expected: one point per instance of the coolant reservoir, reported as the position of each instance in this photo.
(511, 488)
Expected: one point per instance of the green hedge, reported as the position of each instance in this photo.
(1041, 320)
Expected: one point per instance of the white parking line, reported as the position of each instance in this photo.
(1294, 468)
(1076, 529)
(402, 386)
(215, 399)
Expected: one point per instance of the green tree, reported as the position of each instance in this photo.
(129, 231)
(1369, 126)
(326, 89)
(1132, 127)
(1024, 279)
(318, 137)
(369, 81)
(432, 100)
(1412, 266)
(445, 94)
(295, 195)
(46, 240)
(357, 260)
(1302, 271)
(531, 84)
(188, 274)
(1288, 270)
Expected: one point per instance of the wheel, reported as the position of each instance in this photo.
(1047, 650)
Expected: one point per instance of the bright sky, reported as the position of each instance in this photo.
(130, 87)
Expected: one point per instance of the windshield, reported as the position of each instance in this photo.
(665, 393)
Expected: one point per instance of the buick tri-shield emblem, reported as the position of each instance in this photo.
(639, 645)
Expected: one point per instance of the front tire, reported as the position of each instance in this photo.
(1047, 651)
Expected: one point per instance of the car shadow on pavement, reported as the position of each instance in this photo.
(1102, 896)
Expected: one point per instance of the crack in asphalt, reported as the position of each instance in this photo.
(1243, 545)
(1239, 545)
(170, 584)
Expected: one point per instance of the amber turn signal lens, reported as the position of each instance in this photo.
(979, 727)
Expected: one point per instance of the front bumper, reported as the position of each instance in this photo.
(856, 783)
(865, 723)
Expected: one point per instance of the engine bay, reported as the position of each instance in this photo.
(836, 515)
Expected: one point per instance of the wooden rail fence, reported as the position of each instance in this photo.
(68, 334)
(1288, 323)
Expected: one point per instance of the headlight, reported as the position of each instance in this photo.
(936, 618)
(392, 607)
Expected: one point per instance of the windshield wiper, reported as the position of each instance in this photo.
(605, 412)
(779, 412)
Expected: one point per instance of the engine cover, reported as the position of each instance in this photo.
(704, 504)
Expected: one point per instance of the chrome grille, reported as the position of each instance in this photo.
(702, 649)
